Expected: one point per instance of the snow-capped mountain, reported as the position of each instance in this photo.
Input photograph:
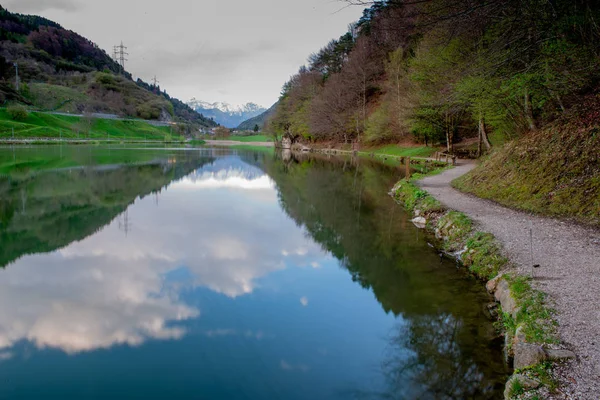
(226, 114)
(227, 168)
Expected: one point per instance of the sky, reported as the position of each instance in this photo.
(234, 51)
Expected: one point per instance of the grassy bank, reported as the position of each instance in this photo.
(526, 320)
(453, 229)
(403, 151)
(50, 126)
(250, 139)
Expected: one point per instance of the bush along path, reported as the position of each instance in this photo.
(550, 313)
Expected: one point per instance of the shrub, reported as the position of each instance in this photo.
(105, 78)
(17, 112)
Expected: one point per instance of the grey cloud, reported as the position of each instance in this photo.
(39, 6)
(204, 60)
(214, 69)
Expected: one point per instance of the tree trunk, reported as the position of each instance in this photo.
(449, 135)
(529, 111)
(558, 100)
(483, 136)
(480, 141)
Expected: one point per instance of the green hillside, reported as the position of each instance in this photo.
(60, 70)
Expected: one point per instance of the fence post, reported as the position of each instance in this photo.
(407, 168)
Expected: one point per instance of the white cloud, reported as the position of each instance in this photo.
(304, 301)
(213, 182)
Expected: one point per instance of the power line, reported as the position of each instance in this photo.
(17, 75)
(119, 54)
(155, 81)
(125, 224)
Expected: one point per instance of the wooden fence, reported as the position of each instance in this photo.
(447, 158)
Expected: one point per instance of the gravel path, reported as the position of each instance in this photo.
(569, 258)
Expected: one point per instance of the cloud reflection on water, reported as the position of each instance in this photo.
(222, 226)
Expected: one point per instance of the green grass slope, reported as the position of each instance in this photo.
(58, 98)
(42, 125)
(554, 171)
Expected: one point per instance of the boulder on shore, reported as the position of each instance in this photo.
(420, 222)
(527, 354)
(524, 381)
(503, 295)
(560, 355)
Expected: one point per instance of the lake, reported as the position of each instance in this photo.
(140, 273)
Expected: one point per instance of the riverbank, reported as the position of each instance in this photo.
(238, 143)
(559, 248)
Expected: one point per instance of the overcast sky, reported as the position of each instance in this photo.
(235, 51)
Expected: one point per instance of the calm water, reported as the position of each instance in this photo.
(217, 274)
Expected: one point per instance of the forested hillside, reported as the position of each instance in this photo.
(60, 70)
(259, 120)
(440, 71)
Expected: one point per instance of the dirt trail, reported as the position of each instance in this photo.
(569, 258)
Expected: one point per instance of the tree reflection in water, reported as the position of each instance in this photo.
(443, 346)
(425, 361)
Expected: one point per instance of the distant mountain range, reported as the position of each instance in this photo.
(225, 114)
(259, 120)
